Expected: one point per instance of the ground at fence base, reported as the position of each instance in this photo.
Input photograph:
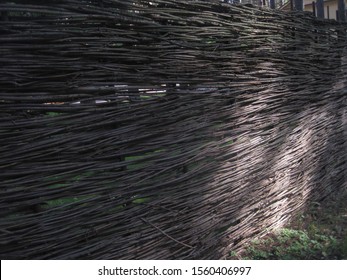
(320, 233)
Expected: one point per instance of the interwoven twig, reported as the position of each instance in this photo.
(163, 129)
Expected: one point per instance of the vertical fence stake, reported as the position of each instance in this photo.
(320, 8)
(341, 11)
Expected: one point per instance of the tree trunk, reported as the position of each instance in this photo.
(298, 5)
(342, 10)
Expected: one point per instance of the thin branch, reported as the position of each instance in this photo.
(161, 231)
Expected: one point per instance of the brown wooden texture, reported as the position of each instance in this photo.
(163, 129)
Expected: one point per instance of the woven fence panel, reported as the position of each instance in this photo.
(163, 129)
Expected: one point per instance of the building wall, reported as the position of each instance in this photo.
(332, 4)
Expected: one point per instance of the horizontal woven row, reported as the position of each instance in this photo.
(163, 129)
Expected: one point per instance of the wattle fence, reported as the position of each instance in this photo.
(163, 129)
